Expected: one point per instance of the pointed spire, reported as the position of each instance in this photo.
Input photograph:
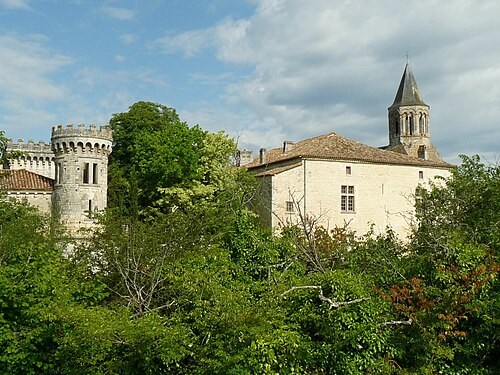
(408, 93)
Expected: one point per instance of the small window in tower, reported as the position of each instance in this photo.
(348, 170)
(421, 175)
(60, 173)
(90, 208)
(422, 152)
(94, 173)
(290, 208)
(86, 173)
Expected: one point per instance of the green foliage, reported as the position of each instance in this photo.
(3, 143)
(33, 283)
(451, 290)
(152, 149)
(4, 155)
(179, 279)
(160, 163)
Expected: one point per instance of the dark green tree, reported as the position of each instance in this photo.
(153, 150)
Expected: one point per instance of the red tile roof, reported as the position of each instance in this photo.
(22, 179)
(335, 147)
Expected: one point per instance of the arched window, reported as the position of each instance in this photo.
(423, 124)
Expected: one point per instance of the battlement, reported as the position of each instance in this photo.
(30, 148)
(104, 132)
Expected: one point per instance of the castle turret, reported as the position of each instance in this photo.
(81, 172)
(409, 121)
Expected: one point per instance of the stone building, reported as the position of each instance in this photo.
(340, 182)
(67, 177)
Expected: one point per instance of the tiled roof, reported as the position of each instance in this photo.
(22, 179)
(335, 147)
(276, 171)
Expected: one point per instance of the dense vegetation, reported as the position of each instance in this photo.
(179, 279)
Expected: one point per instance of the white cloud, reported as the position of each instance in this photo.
(128, 39)
(334, 66)
(120, 58)
(15, 4)
(25, 69)
(122, 14)
(189, 43)
(27, 83)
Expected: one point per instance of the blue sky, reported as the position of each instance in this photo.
(264, 71)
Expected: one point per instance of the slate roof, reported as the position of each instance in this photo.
(22, 179)
(335, 147)
(408, 93)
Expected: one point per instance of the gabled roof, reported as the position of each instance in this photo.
(335, 147)
(22, 179)
(408, 93)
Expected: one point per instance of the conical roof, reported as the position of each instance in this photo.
(408, 93)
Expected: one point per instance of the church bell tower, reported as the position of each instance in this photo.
(409, 121)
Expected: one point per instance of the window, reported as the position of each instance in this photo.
(422, 153)
(421, 175)
(290, 208)
(94, 173)
(90, 208)
(60, 172)
(347, 198)
(85, 173)
(348, 170)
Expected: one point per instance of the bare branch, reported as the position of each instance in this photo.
(396, 322)
(333, 304)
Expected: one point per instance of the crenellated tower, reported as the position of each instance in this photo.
(409, 121)
(81, 172)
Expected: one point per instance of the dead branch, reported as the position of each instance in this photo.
(333, 304)
(396, 322)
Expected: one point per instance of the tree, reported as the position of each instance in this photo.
(451, 286)
(153, 149)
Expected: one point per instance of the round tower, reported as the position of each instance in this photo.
(81, 173)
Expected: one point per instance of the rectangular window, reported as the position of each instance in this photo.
(60, 173)
(290, 208)
(348, 170)
(421, 175)
(90, 208)
(347, 198)
(85, 173)
(94, 173)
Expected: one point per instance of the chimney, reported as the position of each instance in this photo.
(287, 146)
(262, 156)
(243, 157)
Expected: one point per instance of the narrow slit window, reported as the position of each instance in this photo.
(94, 173)
(86, 173)
(90, 208)
(60, 173)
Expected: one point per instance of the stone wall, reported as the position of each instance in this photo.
(383, 194)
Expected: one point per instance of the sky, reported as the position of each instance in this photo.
(263, 71)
